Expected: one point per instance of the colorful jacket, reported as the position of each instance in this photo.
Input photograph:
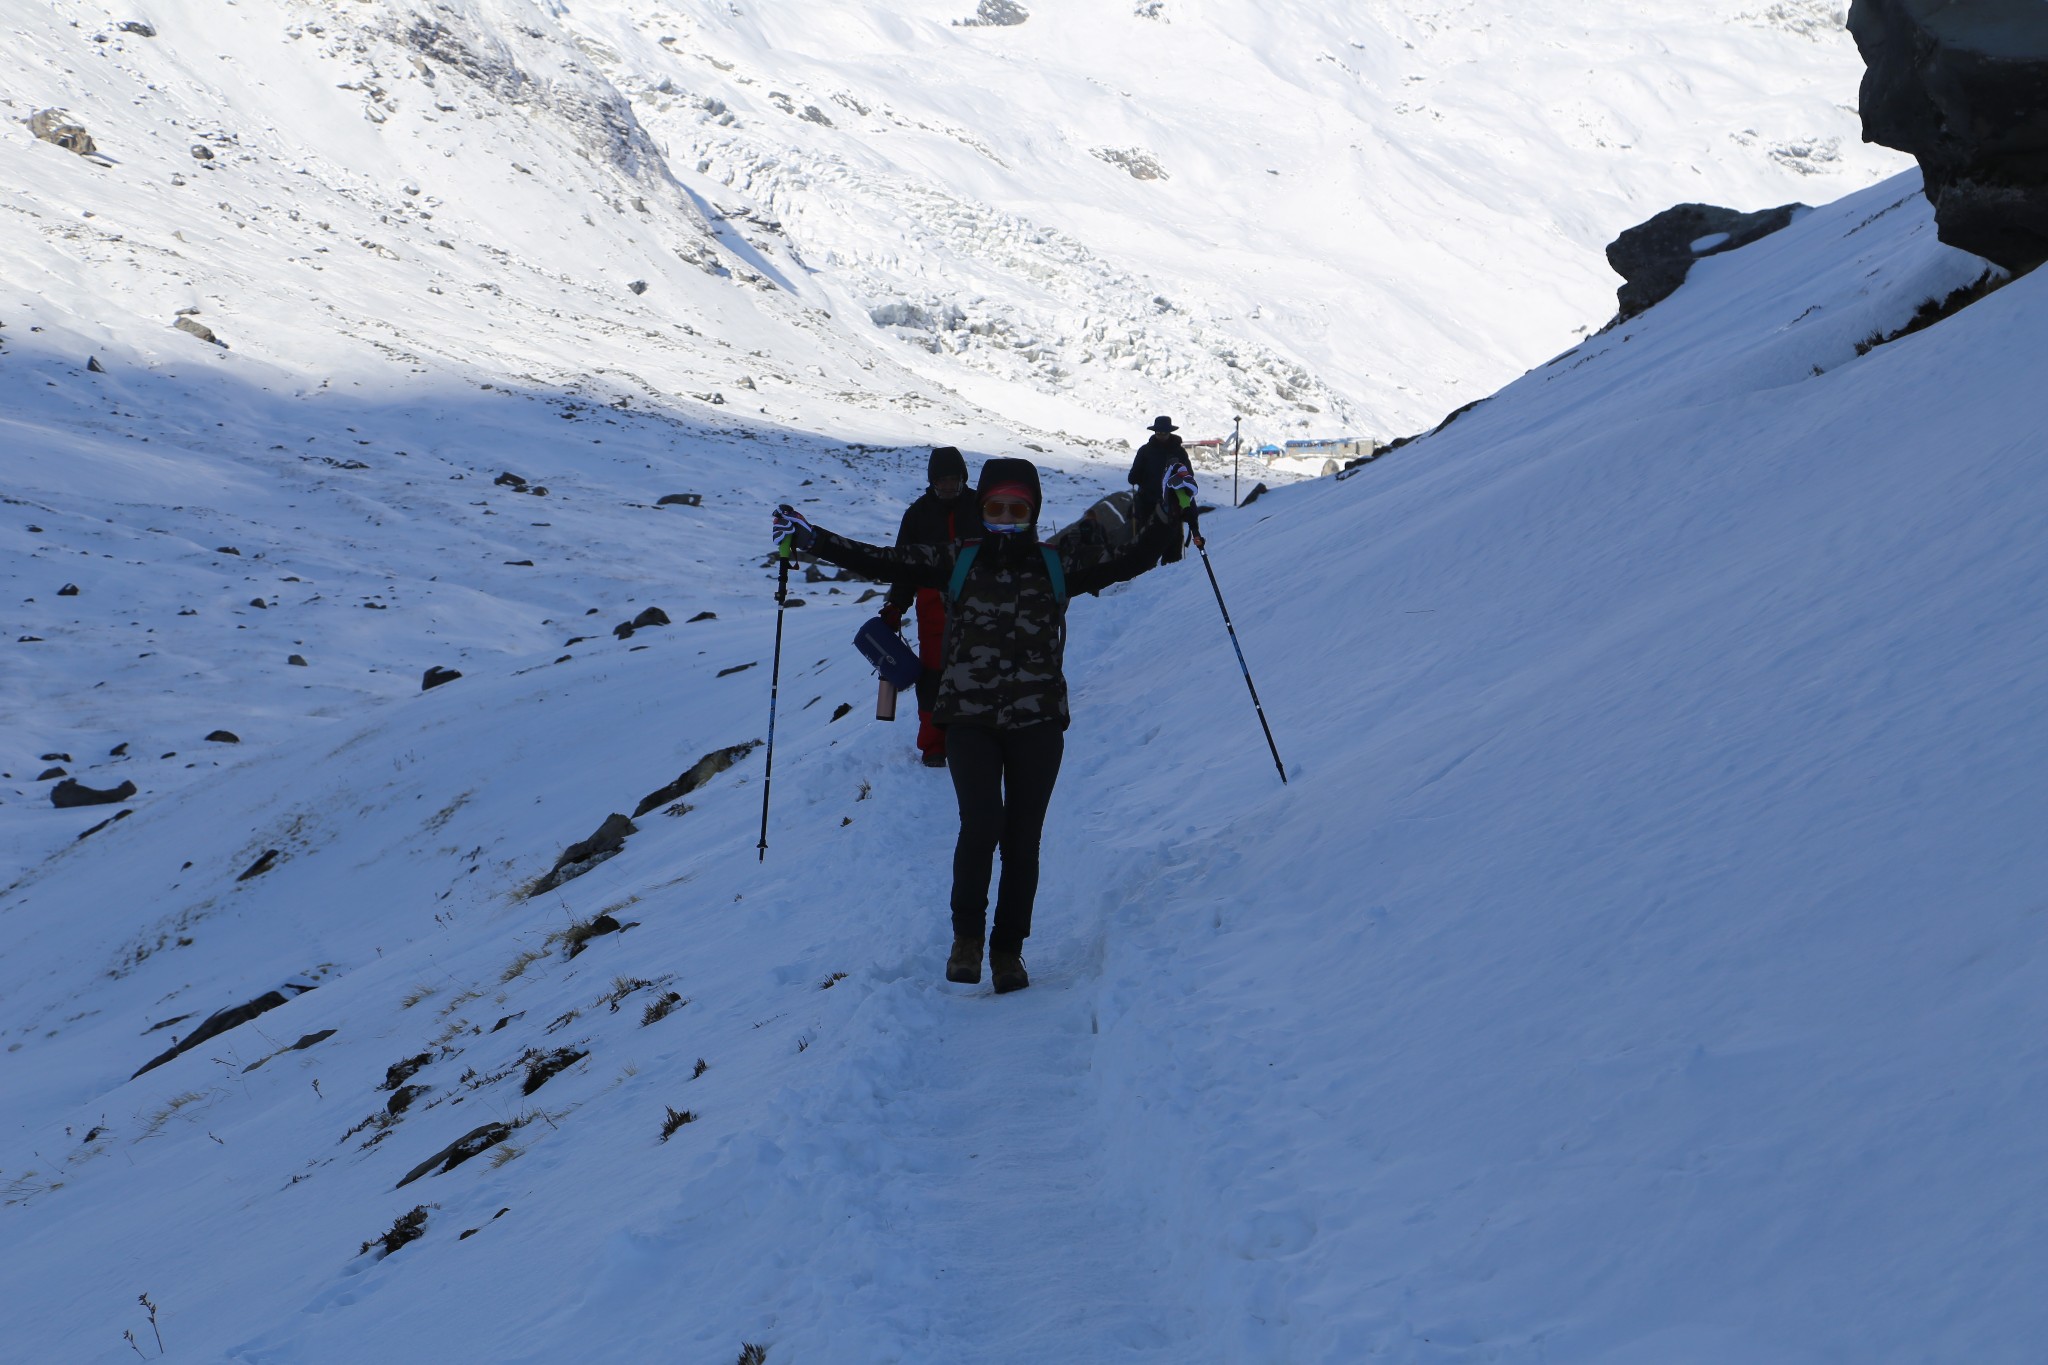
(1003, 661)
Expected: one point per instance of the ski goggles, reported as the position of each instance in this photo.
(1007, 507)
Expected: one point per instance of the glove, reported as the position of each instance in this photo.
(790, 527)
(1180, 486)
(892, 616)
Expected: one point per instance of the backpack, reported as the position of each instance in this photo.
(965, 561)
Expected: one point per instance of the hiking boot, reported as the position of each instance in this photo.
(934, 760)
(1007, 967)
(963, 965)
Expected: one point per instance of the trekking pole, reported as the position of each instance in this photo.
(774, 688)
(1241, 663)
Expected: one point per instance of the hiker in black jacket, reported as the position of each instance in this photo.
(1154, 461)
(1002, 693)
(942, 515)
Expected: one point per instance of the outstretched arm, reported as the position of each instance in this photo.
(914, 566)
(1119, 566)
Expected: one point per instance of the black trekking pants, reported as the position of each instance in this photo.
(1004, 781)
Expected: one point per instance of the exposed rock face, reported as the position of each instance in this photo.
(995, 14)
(462, 1149)
(1963, 88)
(200, 330)
(698, 773)
(1653, 257)
(220, 1021)
(55, 126)
(71, 792)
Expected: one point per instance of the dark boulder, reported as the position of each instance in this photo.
(695, 776)
(1653, 257)
(579, 857)
(462, 1149)
(264, 862)
(437, 675)
(1964, 90)
(609, 839)
(219, 1022)
(71, 792)
(223, 737)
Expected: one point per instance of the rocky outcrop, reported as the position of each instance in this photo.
(200, 330)
(56, 127)
(695, 776)
(995, 14)
(462, 1149)
(1964, 90)
(71, 792)
(1653, 257)
(220, 1021)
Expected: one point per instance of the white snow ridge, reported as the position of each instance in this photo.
(1640, 966)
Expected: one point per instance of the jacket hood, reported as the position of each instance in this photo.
(1009, 469)
(947, 460)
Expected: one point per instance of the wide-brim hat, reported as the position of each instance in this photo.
(1163, 424)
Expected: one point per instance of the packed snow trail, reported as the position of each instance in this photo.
(1644, 963)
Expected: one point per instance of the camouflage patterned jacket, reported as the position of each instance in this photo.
(1006, 635)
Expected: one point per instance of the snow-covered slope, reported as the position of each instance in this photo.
(1641, 965)
(1328, 219)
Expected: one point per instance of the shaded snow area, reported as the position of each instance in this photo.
(1642, 964)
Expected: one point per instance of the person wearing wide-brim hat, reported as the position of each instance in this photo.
(1002, 693)
(1149, 469)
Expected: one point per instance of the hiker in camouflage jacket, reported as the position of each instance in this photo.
(1002, 691)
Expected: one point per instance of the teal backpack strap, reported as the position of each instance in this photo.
(962, 562)
(1057, 574)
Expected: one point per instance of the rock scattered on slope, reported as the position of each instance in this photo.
(1963, 89)
(264, 862)
(58, 128)
(437, 675)
(200, 330)
(579, 857)
(470, 1144)
(1653, 257)
(220, 1021)
(695, 776)
(71, 792)
(995, 14)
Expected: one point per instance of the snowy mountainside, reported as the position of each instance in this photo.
(1326, 221)
(1641, 964)
(1331, 215)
